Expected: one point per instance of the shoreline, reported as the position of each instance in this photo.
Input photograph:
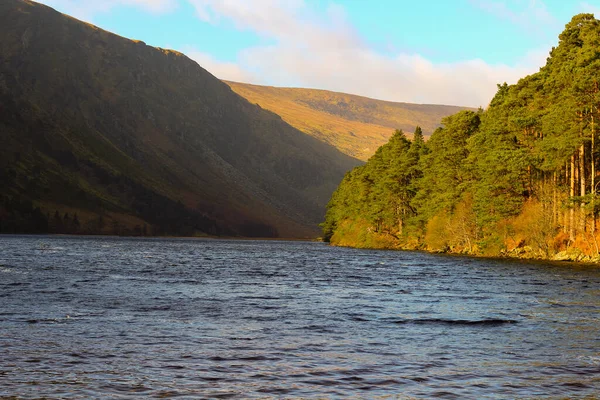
(575, 261)
(75, 235)
(575, 257)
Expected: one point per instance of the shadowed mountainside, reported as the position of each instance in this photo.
(356, 125)
(136, 139)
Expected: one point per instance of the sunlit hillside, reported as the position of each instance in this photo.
(355, 125)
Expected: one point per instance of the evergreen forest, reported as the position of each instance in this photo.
(518, 178)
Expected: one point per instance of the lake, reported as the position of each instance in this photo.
(85, 317)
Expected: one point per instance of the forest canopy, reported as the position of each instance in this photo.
(519, 177)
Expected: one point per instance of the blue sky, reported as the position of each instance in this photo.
(435, 51)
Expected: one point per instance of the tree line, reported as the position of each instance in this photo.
(520, 176)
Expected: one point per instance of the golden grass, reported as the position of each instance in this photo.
(356, 125)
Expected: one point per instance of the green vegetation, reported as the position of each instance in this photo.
(355, 125)
(128, 136)
(519, 178)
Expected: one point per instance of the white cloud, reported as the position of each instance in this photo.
(326, 52)
(323, 50)
(405, 77)
(285, 20)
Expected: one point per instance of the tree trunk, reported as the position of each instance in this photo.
(566, 212)
(554, 200)
(593, 175)
(582, 186)
(572, 194)
(529, 183)
(400, 223)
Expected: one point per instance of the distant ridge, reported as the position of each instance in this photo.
(141, 140)
(356, 125)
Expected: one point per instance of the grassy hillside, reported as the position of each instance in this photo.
(138, 139)
(356, 125)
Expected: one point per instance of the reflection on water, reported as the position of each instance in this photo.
(98, 317)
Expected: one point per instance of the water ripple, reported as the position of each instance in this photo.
(160, 318)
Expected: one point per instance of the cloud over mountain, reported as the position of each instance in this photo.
(321, 48)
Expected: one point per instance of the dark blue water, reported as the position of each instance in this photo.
(86, 317)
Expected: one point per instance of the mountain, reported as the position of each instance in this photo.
(101, 134)
(356, 125)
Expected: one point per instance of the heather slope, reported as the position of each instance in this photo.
(356, 125)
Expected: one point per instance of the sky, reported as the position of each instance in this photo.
(418, 51)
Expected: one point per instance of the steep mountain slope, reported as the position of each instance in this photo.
(127, 135)
(356, 125)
